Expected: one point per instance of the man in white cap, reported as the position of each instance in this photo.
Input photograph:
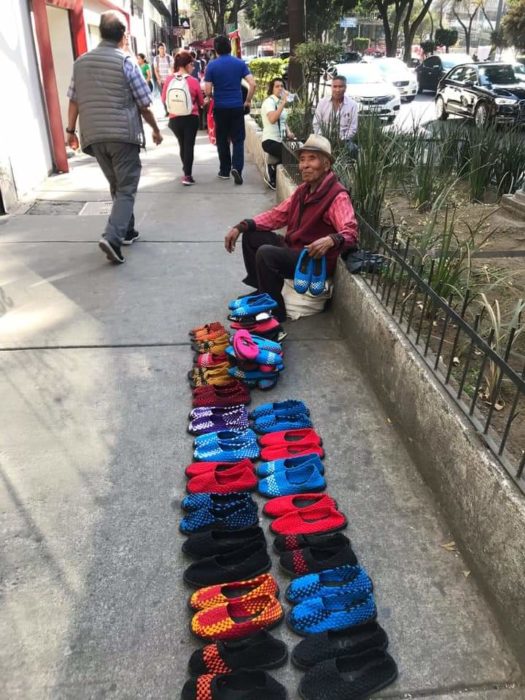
(318, 216)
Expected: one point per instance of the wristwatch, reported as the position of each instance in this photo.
(70, 131)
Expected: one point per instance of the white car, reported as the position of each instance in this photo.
(394, 70)
(366, 85)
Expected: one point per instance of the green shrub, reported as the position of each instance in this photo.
(361, 43)
(264, 70)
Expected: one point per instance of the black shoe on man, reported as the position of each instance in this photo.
(237, 177)
(131, 237)
(111, 250)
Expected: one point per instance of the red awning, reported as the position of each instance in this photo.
(202, 44)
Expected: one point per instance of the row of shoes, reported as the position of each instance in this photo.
(236, 600)
(330, 593)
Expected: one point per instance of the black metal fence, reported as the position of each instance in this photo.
(482, 382)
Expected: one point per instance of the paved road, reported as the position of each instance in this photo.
(420, 111)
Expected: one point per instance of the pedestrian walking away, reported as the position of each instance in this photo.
(223, 79)
(318, 217)
(182, 95)
(145, 69)
(108, 95)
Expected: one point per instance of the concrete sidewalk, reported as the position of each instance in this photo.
(94, 408)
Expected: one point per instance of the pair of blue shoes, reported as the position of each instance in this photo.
(310, 274)
(342, 580)
(237, 515)
(289, 407)
(276, 423)
(332, 612)
(227, 446)
(234, 436)
(251, 305)
(304, 478)
(281, 465)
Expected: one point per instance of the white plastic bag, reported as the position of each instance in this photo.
(299, 305)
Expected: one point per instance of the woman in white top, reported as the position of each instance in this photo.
(273, 115)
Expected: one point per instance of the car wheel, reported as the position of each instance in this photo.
(441, 112)
(482, 116)
(411, 99)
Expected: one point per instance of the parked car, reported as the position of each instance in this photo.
(519, 71)
(366, 85)
(486, 92)
(396, 72)
(433, 68)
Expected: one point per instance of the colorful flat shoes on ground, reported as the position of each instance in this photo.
(238, 619)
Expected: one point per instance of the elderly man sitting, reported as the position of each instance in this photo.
(318, 216)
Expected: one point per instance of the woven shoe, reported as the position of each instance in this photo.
(332, 612)
(292, 436)
(237, 516)
(318, 279)
(241, 685)
(206, 328)
(288, 504)
(303, 273)
(208, 360)
(214, 500)
(284, 451)
(344, 579)
(228, 420)
(224, 481)
(237, 620)
(282, 465)
(244, 563)
(311, 559)
(329, 645)
(227, 451)
(198, 468)
(230, 436)
(228, 395)
(290, 407)
(354, 676)
(262, 651)
(314, 521)
(208, 544)
(302, 479)
(234, 591)
(278, 423)
(287, 543)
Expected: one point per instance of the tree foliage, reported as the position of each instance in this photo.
(401, 15)
(219, 13)
(514, 24)
(428, 47)
(264, 70)
(446, 37)
(321, 15)
(465, 11)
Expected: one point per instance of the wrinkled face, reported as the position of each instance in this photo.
(277, 87)
(338, 89)
(313, 166)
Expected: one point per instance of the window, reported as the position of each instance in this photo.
(497, 75)
(457, 74)
(470, 75)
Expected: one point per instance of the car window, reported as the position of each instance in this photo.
(432, 62)
(497, 75)
(470, 75)
(457, 74)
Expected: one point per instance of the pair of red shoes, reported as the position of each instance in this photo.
(221, 477)
(305, 514)
(230, 394)
(290, 443)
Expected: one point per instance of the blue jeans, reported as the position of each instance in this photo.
(229, 126)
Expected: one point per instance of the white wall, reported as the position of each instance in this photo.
(24, 142)
(63, 58)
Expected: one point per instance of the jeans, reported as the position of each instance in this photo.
(268, 262)
(229, 126)
(185, 130)
(120, 163)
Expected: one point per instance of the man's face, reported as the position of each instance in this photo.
(162, 51)
(338, 90)
(312, 167)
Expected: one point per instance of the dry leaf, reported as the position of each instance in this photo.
(389, 421)
(449, 546)
(466, 574)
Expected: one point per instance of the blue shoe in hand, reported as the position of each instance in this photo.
(332, 612)
(287, 482)
(338, 581)
(303, 273)
(318, 277)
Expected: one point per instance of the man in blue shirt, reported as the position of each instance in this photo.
(223, 79)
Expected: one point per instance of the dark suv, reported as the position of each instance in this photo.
(433, 68)
(486, 92)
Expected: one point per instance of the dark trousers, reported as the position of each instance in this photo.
(120, 163)
(273, 148)
(268, 262)
(229, 126)
(185, 130)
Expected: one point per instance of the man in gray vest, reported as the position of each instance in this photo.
(109, 95)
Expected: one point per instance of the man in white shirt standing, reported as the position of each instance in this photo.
(340, 111)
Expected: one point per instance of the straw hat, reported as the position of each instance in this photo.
(319, 144)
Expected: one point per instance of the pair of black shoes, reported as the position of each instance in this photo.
(315, 553)
(240, 665)
(350, 663)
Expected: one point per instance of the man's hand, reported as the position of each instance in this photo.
(320, 247)
(231, 239)
(72, 142)
(157, 137)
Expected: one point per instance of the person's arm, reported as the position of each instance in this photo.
(198, 98)
(251, 88)
(341, 217)
(354, 113)
(72, 116)
(156, 69)
(148, 74)
(149, 118)
(275, 114)
(142, 96)
(318, 118)
(267, 221)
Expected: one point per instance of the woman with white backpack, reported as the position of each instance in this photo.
(182, 96)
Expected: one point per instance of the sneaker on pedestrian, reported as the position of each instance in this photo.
(237, 177)
(187, 180)
(223, 176)
(130, 237)
(111, 250)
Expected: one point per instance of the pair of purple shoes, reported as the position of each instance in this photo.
(213, 419)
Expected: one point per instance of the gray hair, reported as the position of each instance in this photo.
(111, 26)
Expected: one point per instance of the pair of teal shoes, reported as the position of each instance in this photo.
(310, 274)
